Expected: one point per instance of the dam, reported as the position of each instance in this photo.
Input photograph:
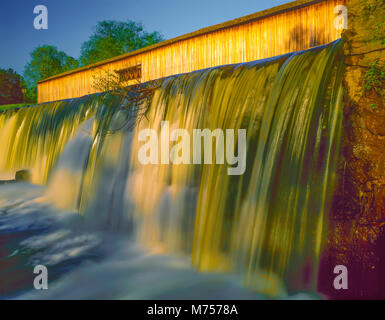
(265, 226)
(243, 160)
(295, 26)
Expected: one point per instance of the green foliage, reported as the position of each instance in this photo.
(372, 5)
(378, 32)
(372, 10)
(46, 61)
(374, 106)
(112, 38)
(11, 87)
(31, 94)
(12, 106)
(375, 78)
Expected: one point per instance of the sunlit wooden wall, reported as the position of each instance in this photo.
(298, 28)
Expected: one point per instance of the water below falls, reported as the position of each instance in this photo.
(108, 226)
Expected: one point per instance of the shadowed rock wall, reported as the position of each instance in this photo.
(357, 222)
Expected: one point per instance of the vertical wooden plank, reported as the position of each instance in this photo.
(293, 30)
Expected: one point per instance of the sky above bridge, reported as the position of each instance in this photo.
(71, 22)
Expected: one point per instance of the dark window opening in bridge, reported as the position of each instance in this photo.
(130, 73)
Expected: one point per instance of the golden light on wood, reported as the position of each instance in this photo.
(292, 27)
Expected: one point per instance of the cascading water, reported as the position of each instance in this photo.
(266, 224)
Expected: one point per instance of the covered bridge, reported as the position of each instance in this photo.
(295, 26)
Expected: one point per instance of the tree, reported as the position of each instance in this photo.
(133, 99)
(11, 87)
(112, 38)
(46, 61)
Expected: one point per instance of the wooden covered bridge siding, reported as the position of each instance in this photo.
(292, 27)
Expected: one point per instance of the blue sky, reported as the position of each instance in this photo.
(70, 22)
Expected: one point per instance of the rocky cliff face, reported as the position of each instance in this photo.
(357, 223)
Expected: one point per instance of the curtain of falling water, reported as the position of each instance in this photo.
(266, 224)
(33, 138)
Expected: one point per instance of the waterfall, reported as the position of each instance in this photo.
(266, 224)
